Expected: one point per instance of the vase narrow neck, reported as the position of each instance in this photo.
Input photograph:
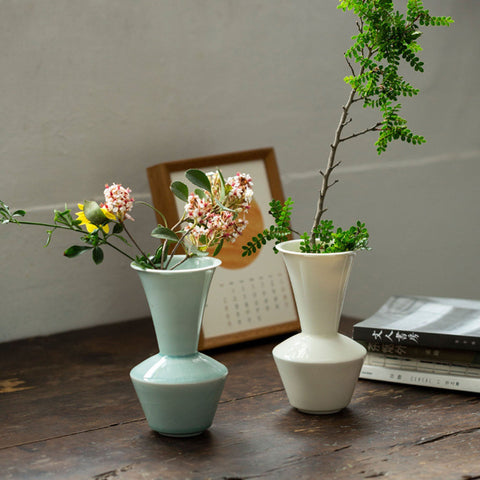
(177, 301)
(319, 283)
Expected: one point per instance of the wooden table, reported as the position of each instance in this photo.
(68, 411)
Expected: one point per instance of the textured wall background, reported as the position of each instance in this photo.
(94, 91)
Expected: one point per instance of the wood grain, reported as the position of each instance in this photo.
(78, 418)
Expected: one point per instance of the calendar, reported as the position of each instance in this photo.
(248, 302)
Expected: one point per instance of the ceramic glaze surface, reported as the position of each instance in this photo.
(319, 283)
(179, 388)
(319, 367)
(179, 395)
(174, 370)
(176, 299)
(307, 348)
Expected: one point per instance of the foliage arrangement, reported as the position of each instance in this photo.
(327, 240)
(213, 213)
(386, 40)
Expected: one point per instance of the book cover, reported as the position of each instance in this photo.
(424, 321)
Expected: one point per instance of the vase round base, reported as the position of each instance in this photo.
(329, 412)
(319, 373)
(179, 395)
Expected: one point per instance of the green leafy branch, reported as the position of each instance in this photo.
(385, 39)
(279, 232)
(330, 241)
(63, 220)
(327, 240)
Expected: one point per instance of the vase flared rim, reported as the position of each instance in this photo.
(296, 244)
(210, 263)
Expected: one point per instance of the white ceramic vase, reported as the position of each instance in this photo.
(319, 367)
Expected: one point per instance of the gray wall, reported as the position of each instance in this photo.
(94, 91)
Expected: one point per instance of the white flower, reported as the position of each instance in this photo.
(118, 201)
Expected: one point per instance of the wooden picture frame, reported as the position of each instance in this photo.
(250, 297)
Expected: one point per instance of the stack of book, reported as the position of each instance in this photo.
(427, 341)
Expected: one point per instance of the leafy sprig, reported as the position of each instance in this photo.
(279, 232)
(64, 220)
(386, 40)
(9, 217)
(328, 240)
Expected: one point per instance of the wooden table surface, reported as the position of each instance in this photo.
(69, 411)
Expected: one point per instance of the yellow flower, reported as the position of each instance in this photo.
(91, 227)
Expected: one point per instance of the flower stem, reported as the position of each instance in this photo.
(180, 262)
(41, 224)
(119, 251)
(175, 249)
(47, 225)
(136, 244)
(158, 212)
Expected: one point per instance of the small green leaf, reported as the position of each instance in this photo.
(198, 178)
(75, 250)
(118, 228)
(201, 193)
(218, 248)
(180, 190)
(49, 238)
(158, 254)
(223, 185)
(97, 255)
(123, 239)
(164, 233)
(62, 217)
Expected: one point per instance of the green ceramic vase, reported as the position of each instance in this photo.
(179, 388)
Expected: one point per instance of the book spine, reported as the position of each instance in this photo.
(424, 379)
(464, 357)
(412, 338)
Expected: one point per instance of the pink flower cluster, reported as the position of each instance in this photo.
(118, 201)
(220, 216)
